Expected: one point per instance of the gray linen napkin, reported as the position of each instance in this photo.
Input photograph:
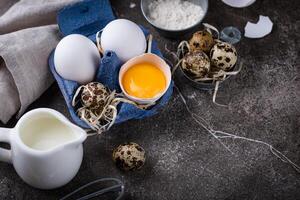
(25, 44)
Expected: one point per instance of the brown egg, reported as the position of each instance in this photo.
(201, 40)
(129, 156)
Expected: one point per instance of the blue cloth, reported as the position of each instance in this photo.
(87, 18)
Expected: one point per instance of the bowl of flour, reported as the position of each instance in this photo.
(173, 18)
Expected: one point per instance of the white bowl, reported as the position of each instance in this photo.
(154, 60)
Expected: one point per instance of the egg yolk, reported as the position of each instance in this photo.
(144, 81)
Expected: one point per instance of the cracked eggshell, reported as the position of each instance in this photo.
(76, 58)
(223, 55)
(125, 38)
(262, 28)
(238, 3)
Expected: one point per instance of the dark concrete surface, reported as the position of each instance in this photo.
(183, 160)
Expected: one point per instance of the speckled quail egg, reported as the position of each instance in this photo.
(91, 116)
(87, 115)
(129, 156)
(196, 64)
(223, 56)
(201, 40)
(94, 95)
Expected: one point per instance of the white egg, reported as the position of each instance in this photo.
(76, 58)
(125, 38)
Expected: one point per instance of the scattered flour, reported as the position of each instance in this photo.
(175, 14)
(192, 96)
(132, 5)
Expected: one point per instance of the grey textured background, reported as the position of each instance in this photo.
(183, 160)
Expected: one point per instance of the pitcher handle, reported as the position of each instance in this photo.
(5, 155)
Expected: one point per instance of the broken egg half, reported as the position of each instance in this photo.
(145, 79)
(239, 3)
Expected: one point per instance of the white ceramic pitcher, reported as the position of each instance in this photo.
(46, 148)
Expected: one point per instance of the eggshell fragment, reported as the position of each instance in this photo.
(238, 3)
(262, 28)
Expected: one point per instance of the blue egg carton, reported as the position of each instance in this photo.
(87, 18)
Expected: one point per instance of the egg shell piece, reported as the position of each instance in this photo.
(125, 38)
(76, 58)
(262, 28)
(238, 3)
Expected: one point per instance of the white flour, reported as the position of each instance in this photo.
(175, 14)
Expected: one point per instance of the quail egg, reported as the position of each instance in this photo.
(196, 64)
(223, 56)
(201, 40)
(94, 95)
(87, 115)
(92, 116)
(129, 156)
